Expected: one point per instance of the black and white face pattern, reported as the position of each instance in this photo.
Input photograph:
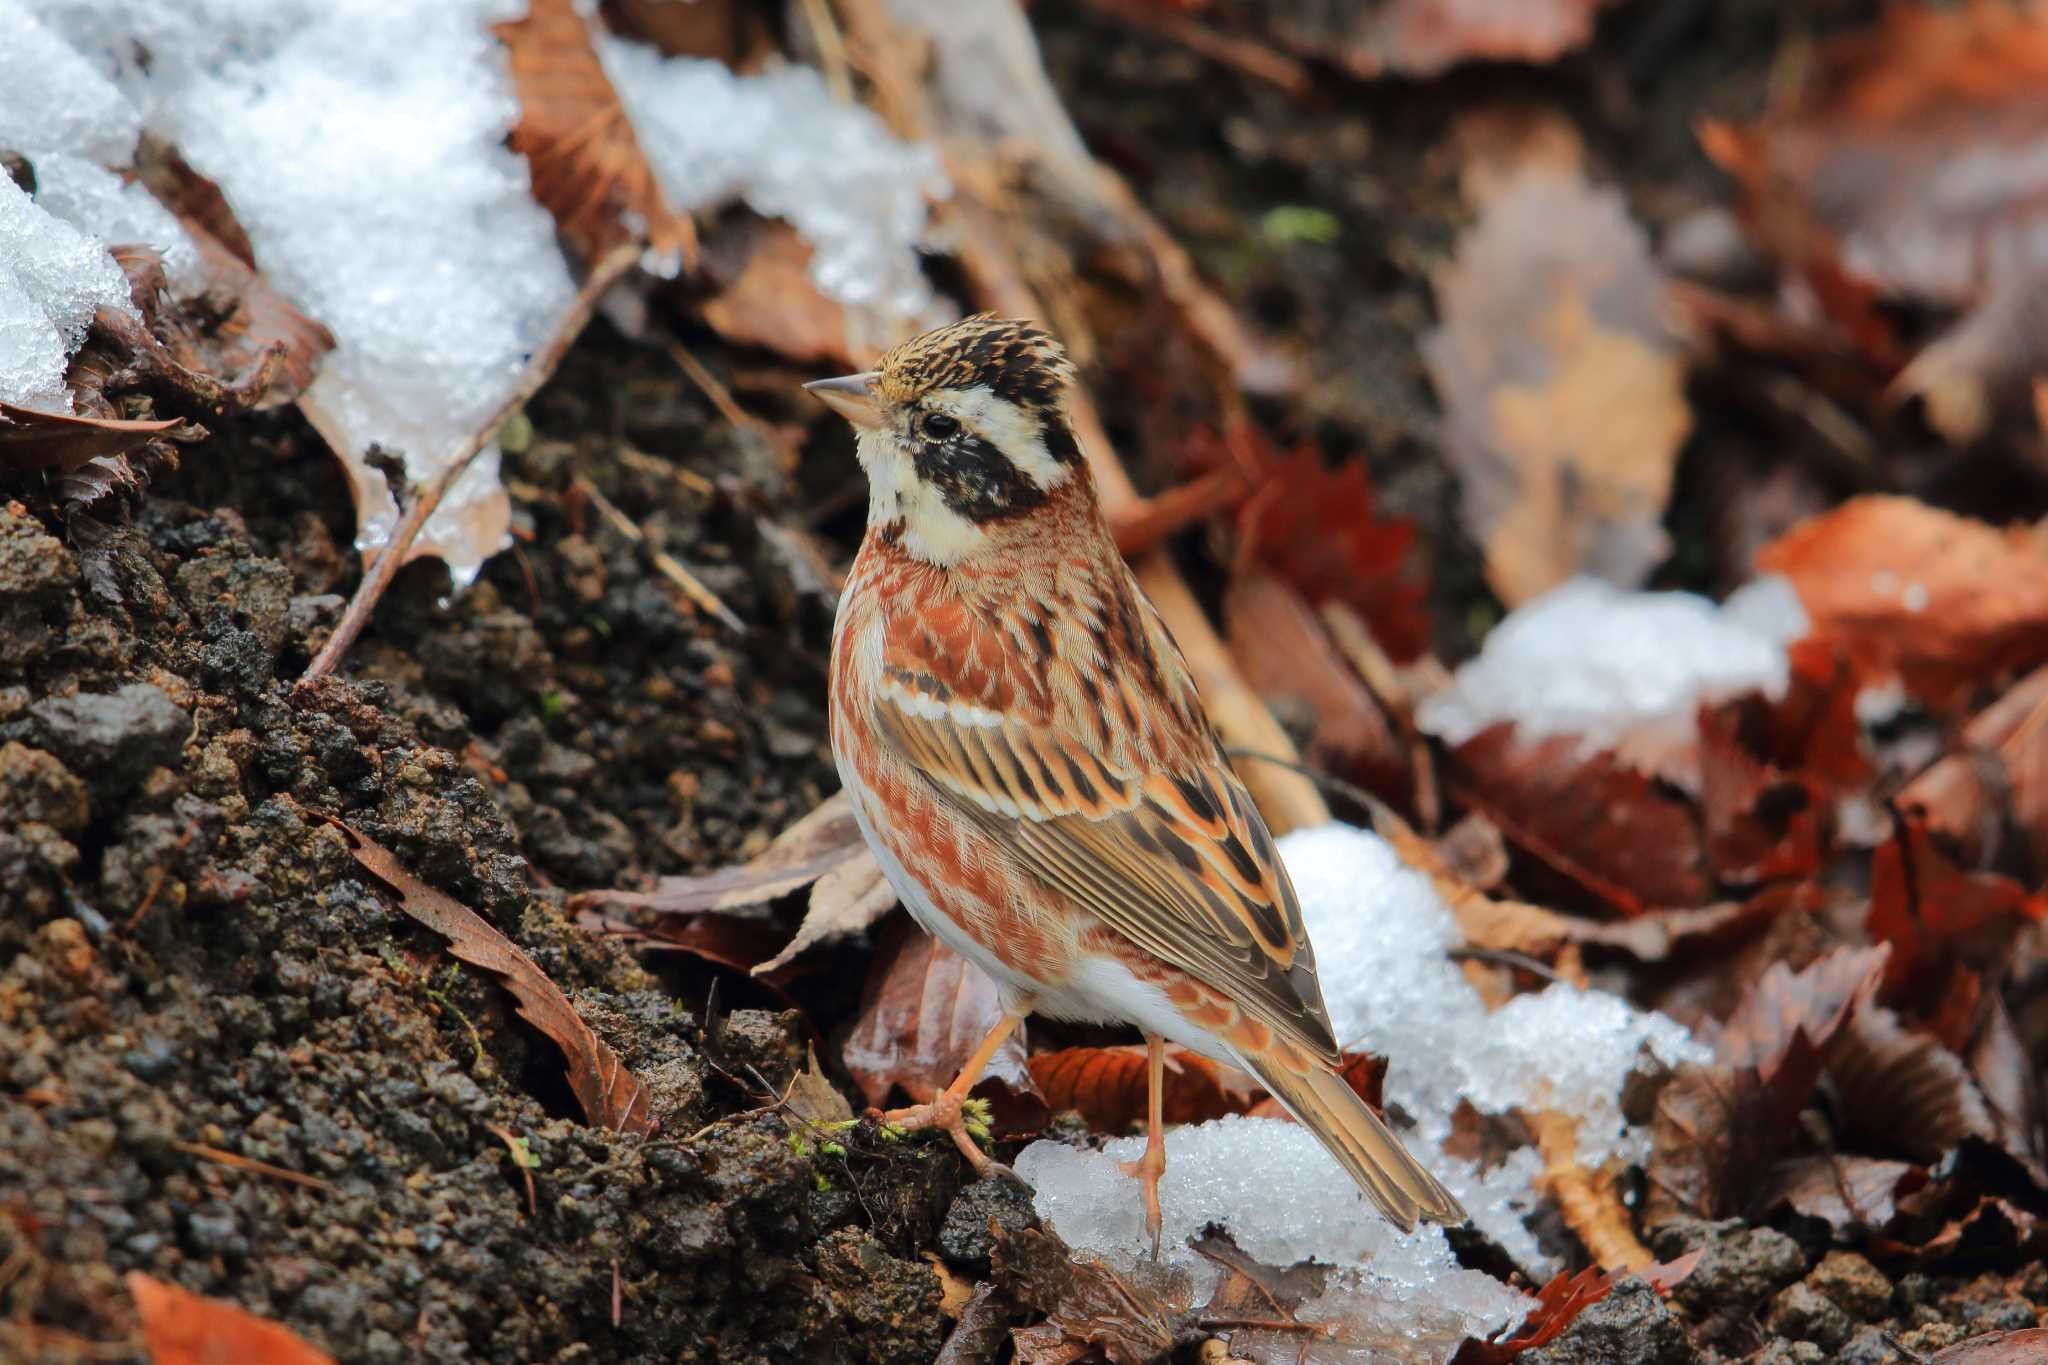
(951, 462)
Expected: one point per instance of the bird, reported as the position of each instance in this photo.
(1027, 756)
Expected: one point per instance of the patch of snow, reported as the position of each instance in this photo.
(1589, 659)
(781, 144)
(1381, 936)
(360, 144)
(52, 278)
(1283, 1200)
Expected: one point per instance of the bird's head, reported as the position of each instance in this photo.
(963, 433)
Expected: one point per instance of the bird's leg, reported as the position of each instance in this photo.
(945, 1112)
(1149, 1167)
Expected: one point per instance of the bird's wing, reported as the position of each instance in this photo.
(1151, 832)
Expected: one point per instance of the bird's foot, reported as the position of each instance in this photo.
(1146, 1170)
(960, 1117)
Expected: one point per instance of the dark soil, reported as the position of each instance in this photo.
(192, 965)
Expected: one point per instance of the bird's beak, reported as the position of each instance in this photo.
(852, 396)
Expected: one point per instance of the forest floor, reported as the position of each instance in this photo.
(226, 1058)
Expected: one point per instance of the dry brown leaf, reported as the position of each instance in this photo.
(1563, 1299)
(1855, 1195)
(1085, 1302)
(924, 1010)
(764, 295)
(1288, 659)
(1894, 584)
(1902, 1091)
(183, 1328)
(2027, 1346)
(847, 900)
(1592, 817)
(59, 441)
(1918, 144)
(1562, 384)
(610, 1094)
(827, 838)
(1425, 37)
(1589, 1200)
(1761, 824)
(1995, 779)
(812, 1099)
(1940, 918)
(1719, 1127)
(1108, 1086)
(588, 169)
(1985, 366)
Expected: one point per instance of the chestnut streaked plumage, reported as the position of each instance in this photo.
(1027, 756)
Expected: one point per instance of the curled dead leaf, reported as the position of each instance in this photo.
(1108, 1086)
(823, 840)
(1593, 817)
(1939, 918)
(588, 169)
(611, 1096)
(1902, 1091)
(1562, 383)
(923, 1011)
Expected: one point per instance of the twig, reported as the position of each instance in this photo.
(831, 49)
(251, 1164)
(540, 367)
(670, 567)
(618, 1295)
(157, 879)
(720, 396)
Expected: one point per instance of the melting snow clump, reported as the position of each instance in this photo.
(1590, 659)
(782, 144)
(360, 143)
(1283, 1200)
(1381, 936)
(52, 278)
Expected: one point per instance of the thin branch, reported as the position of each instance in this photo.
(539, 369)
(670, 567)
(250, 1164)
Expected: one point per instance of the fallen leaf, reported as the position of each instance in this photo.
(610, 1094)
(183, 1328)
(977, 1338)
(2027, 1346)
(1289, 661)
(1587, 1198)
(61, 442)
(1594, 818)
(1984, 367)
(1787, 1011)
(812, 1099)
(823, 840)
(1854, 1195)
(847, 900)
(1995, 780)
(1761, 824)
(1939, 917)
(1902, 1091)
(1562, 1300)
(1562, 384)
(1719, 1127)
(1108, 1086)
(1425, 37)
(1917, 144)
(1894, 584)
(1084, 1301)
(763, 294)
(2012, 1087)
(923, 1011)
(1318, 527)
(588, 169)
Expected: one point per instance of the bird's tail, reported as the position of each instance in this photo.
(1362, 1144)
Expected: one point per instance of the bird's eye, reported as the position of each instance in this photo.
(941, 425)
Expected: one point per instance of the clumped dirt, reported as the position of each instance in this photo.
(191, 963)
